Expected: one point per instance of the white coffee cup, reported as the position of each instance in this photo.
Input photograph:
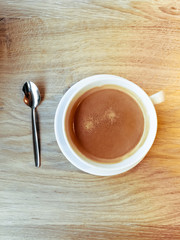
(130, 161)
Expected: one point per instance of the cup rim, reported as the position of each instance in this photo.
(95, 168)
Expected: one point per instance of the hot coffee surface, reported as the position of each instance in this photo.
(108, 124)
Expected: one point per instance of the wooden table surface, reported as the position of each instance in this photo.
(56, 44)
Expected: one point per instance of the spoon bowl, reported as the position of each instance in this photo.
(32, 96)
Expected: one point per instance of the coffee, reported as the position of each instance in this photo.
(104, 124)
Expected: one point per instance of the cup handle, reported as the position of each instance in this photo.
(157, 97)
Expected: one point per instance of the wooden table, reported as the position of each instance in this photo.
(55, 44)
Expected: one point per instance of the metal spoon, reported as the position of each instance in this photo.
(32, 98)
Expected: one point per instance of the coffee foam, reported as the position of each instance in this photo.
(92, 129)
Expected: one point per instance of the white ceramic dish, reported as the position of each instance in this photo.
(91, 166)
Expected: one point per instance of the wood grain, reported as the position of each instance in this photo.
(67, 9)
(64, 42)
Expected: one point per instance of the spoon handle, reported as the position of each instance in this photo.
(35, 139)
